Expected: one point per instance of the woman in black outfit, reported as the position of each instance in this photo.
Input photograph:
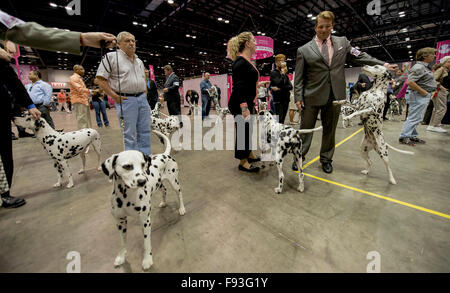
(243, 95)
(192, 97)
(281, 87)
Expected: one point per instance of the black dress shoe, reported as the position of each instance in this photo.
(250, 160)
(327, 168)
(9, 202)
(251, 170)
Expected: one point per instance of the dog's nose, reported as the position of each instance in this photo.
(141, 182)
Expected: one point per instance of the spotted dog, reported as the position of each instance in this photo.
(62, 146)
(284, 139)
(346, 111)
(370, 106)
(136, 177)
(167, 125)
(262, 106)
(157, 110)
(394, 107)
(221, 112)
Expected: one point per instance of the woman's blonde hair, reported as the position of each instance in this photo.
(424, 52)
(237, 44)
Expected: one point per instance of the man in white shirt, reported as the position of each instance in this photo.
(125, 83)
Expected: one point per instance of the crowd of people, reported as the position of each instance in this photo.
(319, 80)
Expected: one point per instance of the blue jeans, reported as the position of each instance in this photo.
(100, 107)
(136, 114)
(417, 107)
(206, 106)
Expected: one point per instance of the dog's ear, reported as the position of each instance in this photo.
(109, 166)
(38, 124)
(148, 162)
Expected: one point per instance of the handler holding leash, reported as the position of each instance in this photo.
(320, 79)
(129, 89)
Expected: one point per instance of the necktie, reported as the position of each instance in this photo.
(325, 52)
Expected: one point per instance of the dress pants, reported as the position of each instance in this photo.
(329, 115)
(83, 114)
(206, 106)
(45, 113)
(100, 107)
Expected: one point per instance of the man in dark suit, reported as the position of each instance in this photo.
(152, 91)
(171, 93)
(320, 79)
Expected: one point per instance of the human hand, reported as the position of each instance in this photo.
(300, 105)
(118, 99)
(274, 88)
(391, 67)
(35, 113)
(246, 113)
(165, 90)
(93, 39)
(363, 84)
(4, 55)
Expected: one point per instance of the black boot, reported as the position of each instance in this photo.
(11, 202)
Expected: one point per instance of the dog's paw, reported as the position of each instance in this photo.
(147, 263)
(70, 185)
(301, 187)
(58, 184)
(278, 190)
(392, 181)
(81, 171)
(99, 168)
(120, 260)
(182, 211)
(365, 172)
(162, 205)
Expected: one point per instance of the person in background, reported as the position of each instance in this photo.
(399, 80)
(152, 91)
(62, 99)
(192, 98)
(80, 97)
(421, 85)
(241, 104)
(172, 93)
(98, 102)
(292, 109)
(387, 102)
(41, 94)
(440, 99)
(205, 85)
(262, 91)
(281, 87)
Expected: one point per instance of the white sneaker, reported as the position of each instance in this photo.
(436, 129)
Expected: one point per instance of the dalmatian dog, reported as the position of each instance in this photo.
(136, 177)
(157, 110)
(221, 112)
(346, 111)
(284, 139)
(394, 107)
(370, 106)
(262, 106)
(167, 125)
(62, 146)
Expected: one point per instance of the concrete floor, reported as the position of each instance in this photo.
(234, 221)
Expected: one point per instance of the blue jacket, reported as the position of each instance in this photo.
(204, 85)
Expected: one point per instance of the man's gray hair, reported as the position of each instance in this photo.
(121, 35)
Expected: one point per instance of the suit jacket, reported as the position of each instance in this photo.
(315, 80)
(172, 84)
(35, 35)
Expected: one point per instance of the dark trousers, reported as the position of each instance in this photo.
(206, 106)
(174, 107)
(428, 113)
(387, 103)
(5, 135)
(329, 115)
(45, 113)
(281, 109)
(100, 107)
(243, 137)
(152, 103)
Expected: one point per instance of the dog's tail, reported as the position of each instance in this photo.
(166, 142)
(400, 151)
(309, 130)
(341, 102)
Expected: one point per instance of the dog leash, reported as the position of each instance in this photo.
(102, 50)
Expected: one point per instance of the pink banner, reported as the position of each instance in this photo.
(264, 48)
(151, 72)
(443, 49)
(267, 78)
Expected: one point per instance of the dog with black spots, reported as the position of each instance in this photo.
(167, 125)
(284, 139)
(221, 112)
(136, 177)
(62, 146)
(369, 106)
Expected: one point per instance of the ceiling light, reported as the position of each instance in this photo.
(188, 36)
(258, 33)
(53, 4)
(409, 52)
(409, 46)
(144, 25)
(313, 18)
(219, 19)
(227, 21)
(166, 46)
(135, 23)
(407, 39)
(401, 15)
(401, 12)
(263, 34)
(68, 8)
(172, 48)
(194, 37)
(310, 15)
(170, 1)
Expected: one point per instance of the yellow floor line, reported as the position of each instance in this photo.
(337, 145)
(382, 197)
